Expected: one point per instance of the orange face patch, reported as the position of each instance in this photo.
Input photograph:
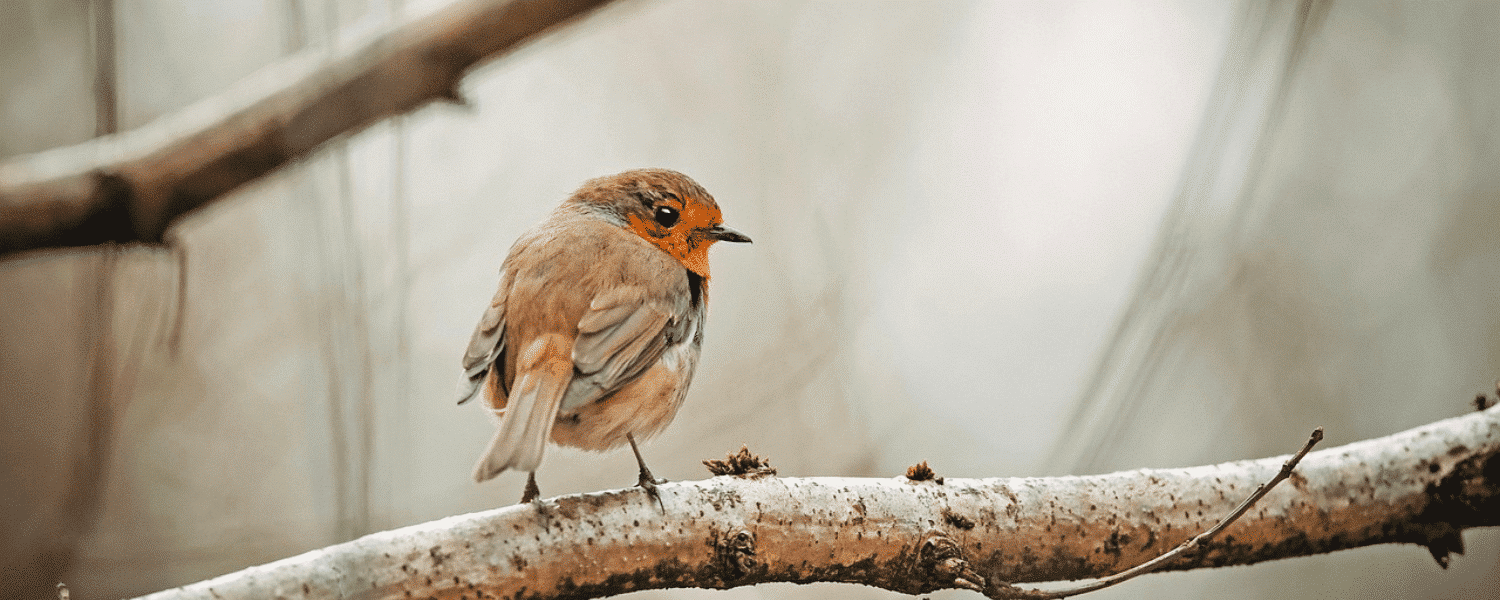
(688, 239)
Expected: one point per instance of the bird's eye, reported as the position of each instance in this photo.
(666, 215)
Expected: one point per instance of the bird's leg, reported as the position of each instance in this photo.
(646, 480)
(531, 490)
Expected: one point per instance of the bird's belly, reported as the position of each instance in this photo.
(642, 407)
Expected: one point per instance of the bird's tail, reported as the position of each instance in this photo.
(543, 371)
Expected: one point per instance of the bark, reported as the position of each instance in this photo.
(1422, 486)
(130, 187)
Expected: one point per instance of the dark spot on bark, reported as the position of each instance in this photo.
(957, 520)
(1115, 543)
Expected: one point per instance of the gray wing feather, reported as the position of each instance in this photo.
(486, 345)
(620, 337)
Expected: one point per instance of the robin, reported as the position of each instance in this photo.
(595, 332)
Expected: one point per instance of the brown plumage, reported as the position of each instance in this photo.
(593, 336)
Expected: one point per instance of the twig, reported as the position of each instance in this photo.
(1155, 563)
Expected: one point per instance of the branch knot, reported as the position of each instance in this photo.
(943, 562)
(735, 553)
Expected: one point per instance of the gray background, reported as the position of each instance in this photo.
(1012, 239)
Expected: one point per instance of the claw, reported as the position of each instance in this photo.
(646, 480)
(531, 490)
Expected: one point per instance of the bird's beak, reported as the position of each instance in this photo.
(727, 234)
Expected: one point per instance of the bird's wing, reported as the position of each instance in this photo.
(623, 333)
(486, 346)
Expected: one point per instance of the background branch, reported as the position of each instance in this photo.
(1421, 486)
(130, 187)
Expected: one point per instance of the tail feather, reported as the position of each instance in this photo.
(542, 378)
(469, 387)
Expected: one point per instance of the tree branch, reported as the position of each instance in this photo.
(1193, 543)
(1422, 486)
(130, 187)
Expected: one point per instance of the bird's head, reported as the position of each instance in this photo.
(665, 208)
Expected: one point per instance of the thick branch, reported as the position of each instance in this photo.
(130, 187)
(1422, 486)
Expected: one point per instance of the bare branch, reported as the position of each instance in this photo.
(130, 187)
(1198, 540)
(1421, 486)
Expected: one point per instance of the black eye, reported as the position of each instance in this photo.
(665, 215)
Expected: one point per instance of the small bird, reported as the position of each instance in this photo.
(595, 332)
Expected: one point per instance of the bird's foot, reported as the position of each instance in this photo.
(646, 480)
(649, 483)
(531, 493)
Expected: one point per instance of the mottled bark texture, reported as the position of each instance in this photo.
(1422, 486)
(130, 187)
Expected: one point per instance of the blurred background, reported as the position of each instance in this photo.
(1009, 238)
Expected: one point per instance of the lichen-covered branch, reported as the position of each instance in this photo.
(1422, 486)
(131, 186)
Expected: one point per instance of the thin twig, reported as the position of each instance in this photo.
(1155, 563)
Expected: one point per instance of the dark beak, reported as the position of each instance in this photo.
(727, 234)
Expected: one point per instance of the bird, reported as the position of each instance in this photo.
(595, 331)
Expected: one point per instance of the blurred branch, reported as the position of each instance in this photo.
(130, 187)
(1422, 486)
